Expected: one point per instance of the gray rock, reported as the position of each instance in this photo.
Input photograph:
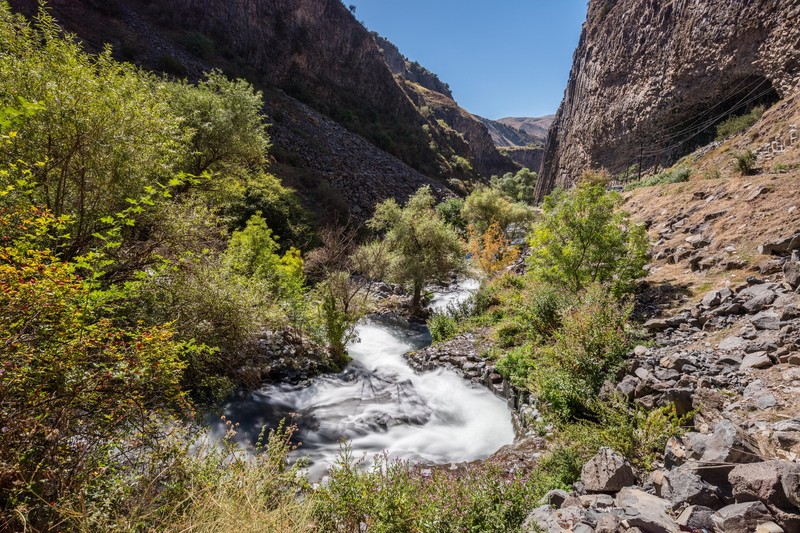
(766, 401)
(681, 398)
(791, 273)
(683, 485)
(698, 241)
(554, 498)
(645, 511)
(790, 482)
(780, 246)
(716, 297)
(756, 360)
(760, 301)
(696, 518)
(732, 343)
(769, 527)
(740, 517)
(765, 482)
(728, 444)
(627, 387)
(690, 446)
(608, 523)
(607, 471)
(766, 320)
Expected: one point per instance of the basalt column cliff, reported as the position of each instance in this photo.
(651, 79)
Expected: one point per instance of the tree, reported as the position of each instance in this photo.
(490, 250)
(225, 122)
(584, 238)
(421, 246)
(485, 206)
(517, 187)
(103, 132)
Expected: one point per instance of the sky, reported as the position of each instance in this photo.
(501, 58)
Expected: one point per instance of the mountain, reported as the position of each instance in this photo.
(353, 121)
(521, 139)
(651, 80)
(535, 127)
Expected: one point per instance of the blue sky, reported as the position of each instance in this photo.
(501, 58)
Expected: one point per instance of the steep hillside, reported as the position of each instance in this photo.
(314, 60)
(651, 80)
(535, 127)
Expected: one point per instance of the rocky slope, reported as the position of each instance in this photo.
(650, 80)
(315, 62)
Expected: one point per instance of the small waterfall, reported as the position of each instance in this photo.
(380, 404)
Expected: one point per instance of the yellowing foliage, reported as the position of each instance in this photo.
(491, 250)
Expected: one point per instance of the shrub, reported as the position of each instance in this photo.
(517, 187)
(450, 211)
(486, 206)
(745, 162)
(638, 433)
(198, 44)
(733, 125)
(394, 496)
(584, 238)
(74, 382)
(677, 175)
(491, 250)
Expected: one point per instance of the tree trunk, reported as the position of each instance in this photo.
(415, 301)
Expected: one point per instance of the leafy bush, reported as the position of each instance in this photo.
(394, 496)
(486, 206)
(677, 175)
(517, 187)
(584, 238)
(745, 162)
(450, 211)
(74, 382)
(736, 124)
(638, 433)
(445, 324)
(491, 251)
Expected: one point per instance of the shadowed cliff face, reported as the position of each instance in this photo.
(651, 79)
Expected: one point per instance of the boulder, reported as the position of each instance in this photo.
(780, 246)
(767, 482)
(696, 518)
(607, 471)
(732, 343)
(644, 511)
(741, 517)
(554, 498)
(791, 273)
(683, 485)
(756, 360)
(766, 320)
(769, 527)
(728, 444)
(716, 297)
(760, 301)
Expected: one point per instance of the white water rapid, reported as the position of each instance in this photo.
(380, 404)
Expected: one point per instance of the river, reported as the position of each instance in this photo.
(380, 404)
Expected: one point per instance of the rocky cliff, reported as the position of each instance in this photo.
(317, 64)
(651, 79)
(520, 139)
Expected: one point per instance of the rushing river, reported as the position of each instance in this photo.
(380, 404)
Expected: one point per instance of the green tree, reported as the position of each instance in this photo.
(517, 187)
(421, 246)
(104, 130)
(225, 122)
(485, 206)
(583, 237)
